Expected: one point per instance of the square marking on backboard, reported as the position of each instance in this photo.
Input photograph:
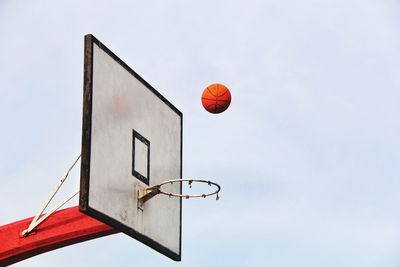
(141, 157)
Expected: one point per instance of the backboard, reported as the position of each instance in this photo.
(131, 139)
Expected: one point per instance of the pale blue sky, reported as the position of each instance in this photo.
(307, 154)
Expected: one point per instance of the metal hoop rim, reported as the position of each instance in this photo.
(190, 181)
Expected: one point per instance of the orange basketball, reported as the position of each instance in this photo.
(216, 98)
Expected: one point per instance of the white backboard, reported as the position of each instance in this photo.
(132, 139)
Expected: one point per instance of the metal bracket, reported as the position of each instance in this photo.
(145, 194)
(36, 221)
(40, 217)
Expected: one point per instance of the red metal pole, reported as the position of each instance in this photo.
(63, 228)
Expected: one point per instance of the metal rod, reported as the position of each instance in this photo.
(33, 224)
(45, 216)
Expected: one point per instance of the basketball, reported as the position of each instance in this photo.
(216, 98)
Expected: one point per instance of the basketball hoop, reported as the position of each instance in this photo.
(147, 193)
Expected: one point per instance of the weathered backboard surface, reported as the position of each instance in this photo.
(132, 138)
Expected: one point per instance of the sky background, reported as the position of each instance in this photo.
(307, 154)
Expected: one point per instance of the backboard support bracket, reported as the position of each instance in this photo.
(40, 217)
(146, 194)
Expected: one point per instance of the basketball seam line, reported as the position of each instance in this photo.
(225, 100)
(208, 89)
(226, 91)
(215, 104)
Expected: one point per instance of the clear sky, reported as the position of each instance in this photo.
(307, 155)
